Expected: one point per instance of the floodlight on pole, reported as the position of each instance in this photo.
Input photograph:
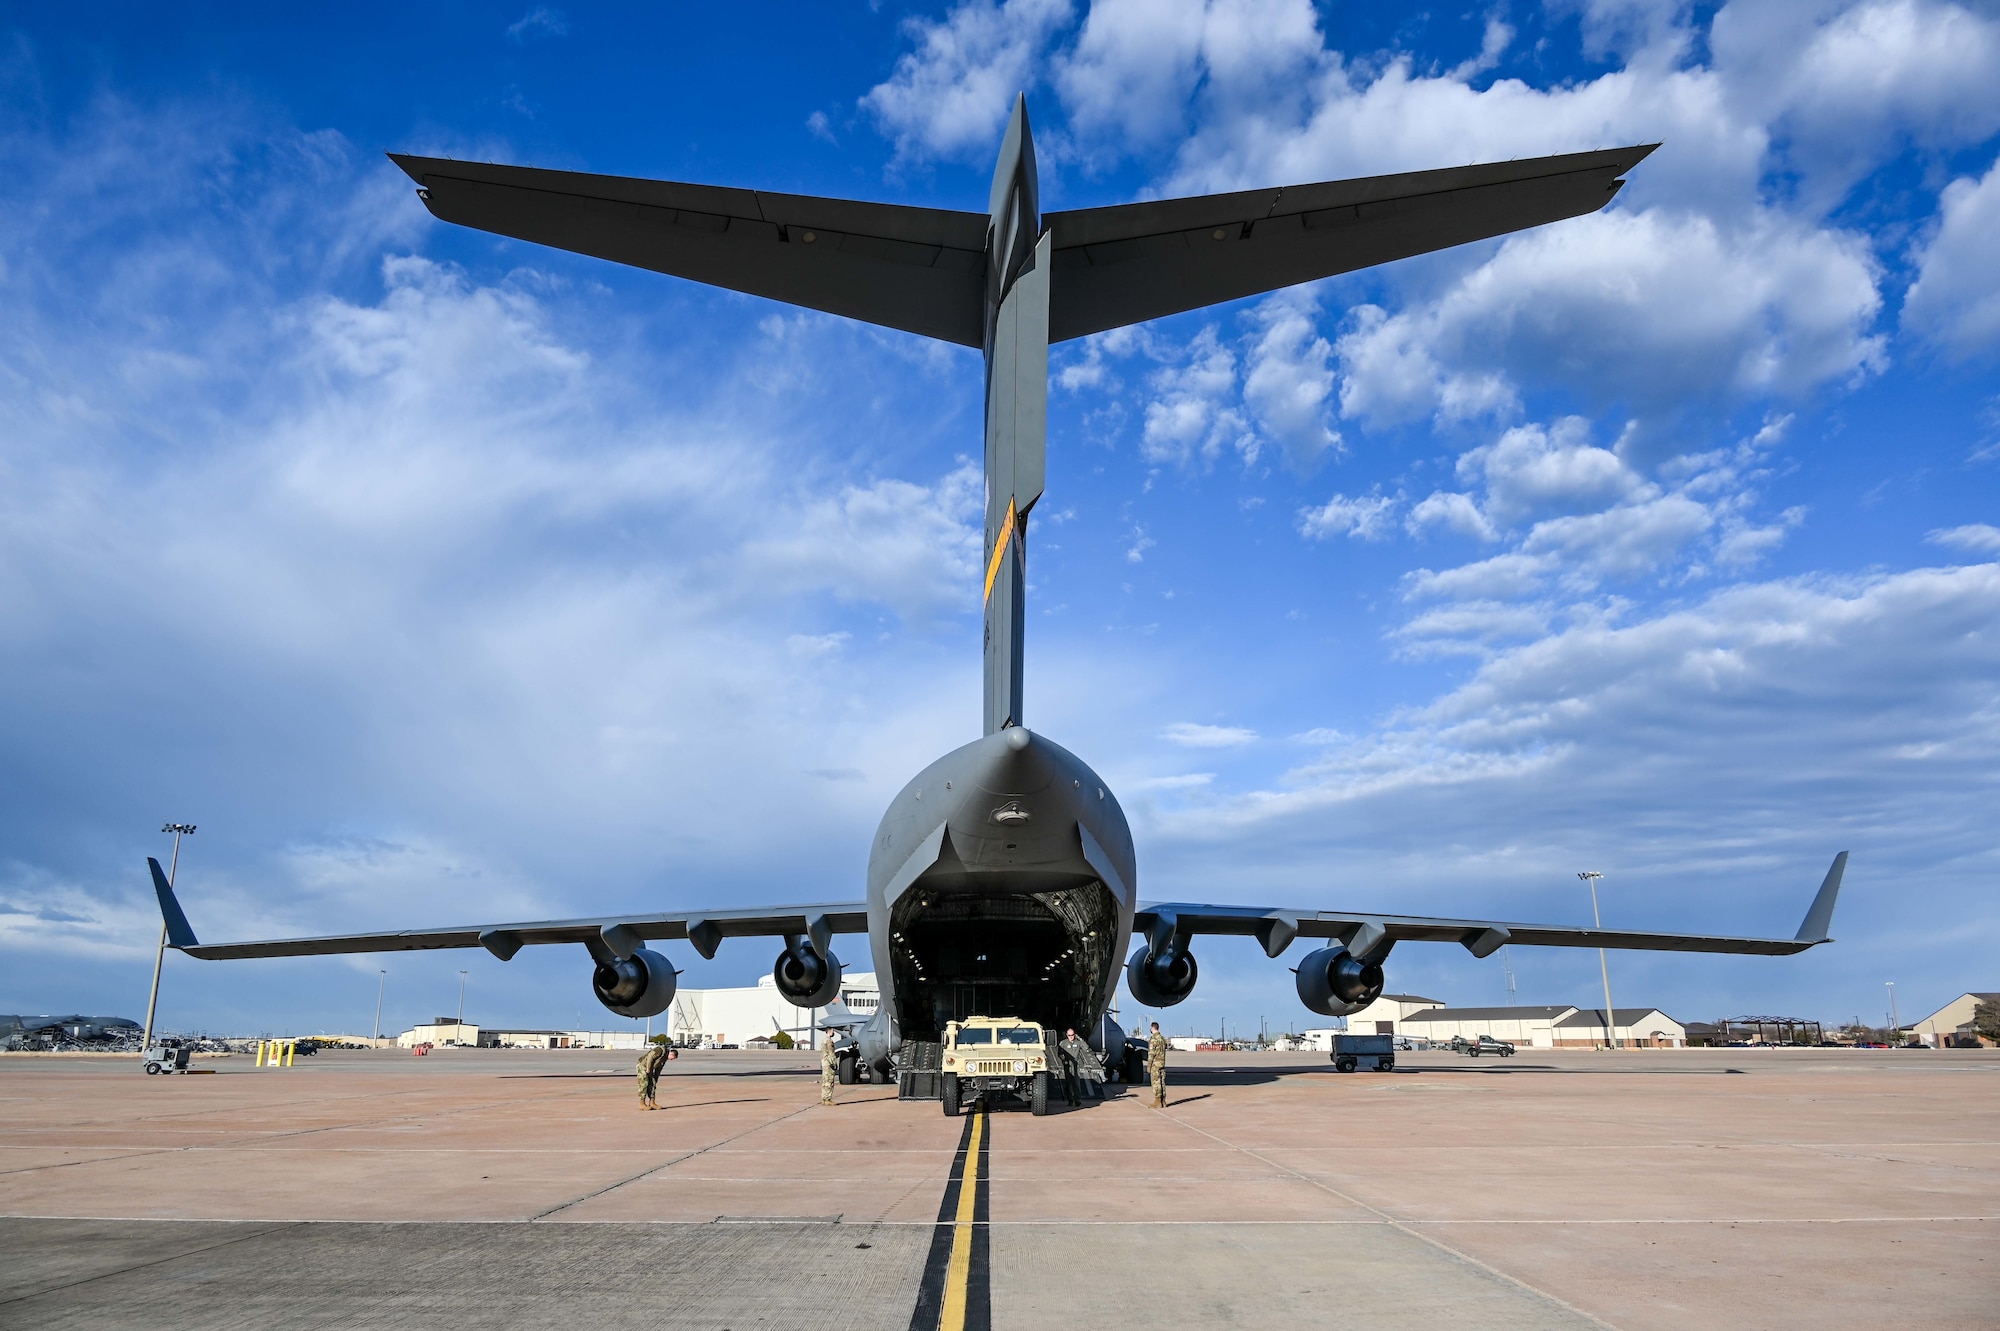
(380, 985)
(461, 998)
(1895, 1022)
(1591, 876)
(179, 830)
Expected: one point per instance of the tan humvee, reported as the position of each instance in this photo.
(985, 1056)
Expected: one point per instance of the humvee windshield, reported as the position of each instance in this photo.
(1021, 1035)
(975, 1035)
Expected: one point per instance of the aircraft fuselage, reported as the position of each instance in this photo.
(1001, 882)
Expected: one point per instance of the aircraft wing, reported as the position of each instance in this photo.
(1367, 935)
(615, 935)
(922, 270)
(1137, 261)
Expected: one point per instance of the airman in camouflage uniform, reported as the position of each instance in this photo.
(1156, 1064)
(1087, 1072)
(829, 1069)
(650, 1064)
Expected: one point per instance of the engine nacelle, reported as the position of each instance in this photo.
(640, 986)
(1334, 982)
(805, 979)
(1161, 979)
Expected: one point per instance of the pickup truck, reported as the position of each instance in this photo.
(1485, 1044)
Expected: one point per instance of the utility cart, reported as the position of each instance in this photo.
(168, 1056)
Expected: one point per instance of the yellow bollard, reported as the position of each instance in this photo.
(260, 1053)
(291, 1048)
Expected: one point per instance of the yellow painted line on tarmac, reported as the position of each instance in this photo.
(958, 1273)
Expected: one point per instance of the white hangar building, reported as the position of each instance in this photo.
(1548, 1027)
(731, 1016)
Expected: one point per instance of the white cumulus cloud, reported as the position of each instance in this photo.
(1955, 301)
(1975, 538)
(1193, 735)
(951, 95)
(1364, 517)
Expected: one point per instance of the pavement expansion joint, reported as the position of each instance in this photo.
(647, 1173)
(1397, 1223)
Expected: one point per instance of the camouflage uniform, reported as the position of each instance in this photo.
(1088, 1073)
(1156, 1064)
(829, 1070)
(650, 1064)
(1066, 1069)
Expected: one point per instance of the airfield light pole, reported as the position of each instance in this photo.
(160, 957)
(1591, 876)
(1895, 1023)
(461, 998)
(380, 985)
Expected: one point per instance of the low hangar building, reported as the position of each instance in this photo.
(1559, 1026)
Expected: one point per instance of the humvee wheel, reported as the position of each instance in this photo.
(950, 1095)
(1038, 1098)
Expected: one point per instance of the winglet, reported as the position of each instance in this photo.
(1819, 918)
(179, 934)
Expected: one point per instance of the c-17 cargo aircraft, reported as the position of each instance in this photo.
(1002, 880)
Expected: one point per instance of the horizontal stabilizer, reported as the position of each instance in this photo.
(922, 270)
(1137, 261)
(179, 934)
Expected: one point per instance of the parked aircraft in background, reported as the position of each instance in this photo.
(1002, 879)
(25, 1030)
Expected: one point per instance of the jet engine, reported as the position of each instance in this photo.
(805, 978)
(1161, 979)
(640, 986)
(1334, 982)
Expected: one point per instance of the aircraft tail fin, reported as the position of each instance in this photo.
(1819, 917)
(179, 933)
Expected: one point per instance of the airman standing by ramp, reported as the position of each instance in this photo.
(829, 1069)
(650, 1064)
(1156, 1065)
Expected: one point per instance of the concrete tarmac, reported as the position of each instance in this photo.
(1741, 1188)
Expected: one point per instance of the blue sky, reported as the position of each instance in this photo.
(439, 578)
